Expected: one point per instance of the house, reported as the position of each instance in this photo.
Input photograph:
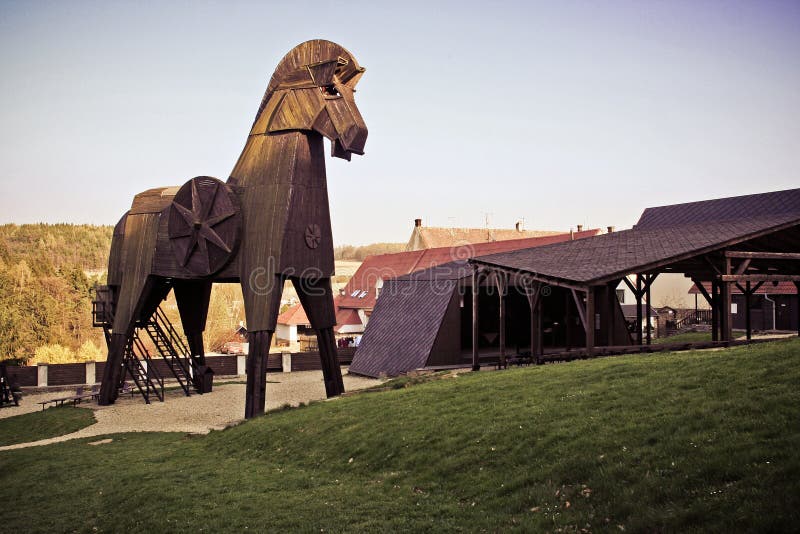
(424, 237)
(773, 306)
(365, 286)
(563, 298)
(629, 312)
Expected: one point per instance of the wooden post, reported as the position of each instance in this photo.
(611, 310)
(714, 311)
(648, 311)
(638, 295)
(534, 301)
(539, 333)
(590, 321)
(797, 288)
(727, 319)
(568, 320)
(476, 365)
(500, 279)
(747, 310)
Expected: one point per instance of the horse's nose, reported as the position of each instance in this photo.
(355, 138)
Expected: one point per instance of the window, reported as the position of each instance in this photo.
(621, 296)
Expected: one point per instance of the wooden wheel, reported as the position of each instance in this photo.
(204, 225)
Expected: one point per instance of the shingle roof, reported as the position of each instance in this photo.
(722, 209)
(662, 235)
(386, 266)
(629, 310)
(403, 328)
(782, 288)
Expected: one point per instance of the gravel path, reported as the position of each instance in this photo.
(196, 414)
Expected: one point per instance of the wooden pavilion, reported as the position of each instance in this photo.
(744, 241)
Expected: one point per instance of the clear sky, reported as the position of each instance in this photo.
(561, 113)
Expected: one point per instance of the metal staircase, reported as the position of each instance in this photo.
(171, 347)
(137, 362)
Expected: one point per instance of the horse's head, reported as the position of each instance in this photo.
(312, 89)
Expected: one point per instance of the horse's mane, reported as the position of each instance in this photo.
(307, 53)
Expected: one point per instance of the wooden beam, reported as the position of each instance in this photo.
(590, 321)
(630, 285)
(714, 310)
(702, 290)
(743, 266)
(579, 305)
(797, 287)
(639, 295)
(763, 255)
(648, 281)
(476, 364)
(747, 293)
(500, 280)
(760, 278)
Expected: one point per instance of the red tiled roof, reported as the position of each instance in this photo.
(346, 316)
(294, 315)
(783, 288)
(386, 266)
(433, 237)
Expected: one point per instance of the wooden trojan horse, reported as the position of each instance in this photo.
(268, 223)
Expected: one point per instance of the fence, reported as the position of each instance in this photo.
(69, 374)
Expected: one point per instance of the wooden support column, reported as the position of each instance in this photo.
(648, 310)
(797, 287)
(638, 295)
(725, 301)
(590, 321)
(476, 364)
(747, 300)
(611, 311)
(714, 311)
(500, 279)
(567, 320)
(534, 301)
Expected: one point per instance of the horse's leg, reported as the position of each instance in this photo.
(193, 297)
(317, 299)
(262, 301)
(133, 296)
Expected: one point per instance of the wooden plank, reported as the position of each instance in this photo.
(760, 278)
(763, 255)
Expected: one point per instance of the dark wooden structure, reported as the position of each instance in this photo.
(268, 223)
(9, 393)
(744, 241)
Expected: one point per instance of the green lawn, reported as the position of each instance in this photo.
(693, 441)
(692, 337)
(41, 425)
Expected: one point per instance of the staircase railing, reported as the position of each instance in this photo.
(696, 317)
(147, 379)
(172, 349)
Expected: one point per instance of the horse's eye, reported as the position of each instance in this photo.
(330, 90)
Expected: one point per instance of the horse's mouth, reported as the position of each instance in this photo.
(338, 150)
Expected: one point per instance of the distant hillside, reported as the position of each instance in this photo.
(82, 245)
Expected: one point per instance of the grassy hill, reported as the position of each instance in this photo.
(670, 442)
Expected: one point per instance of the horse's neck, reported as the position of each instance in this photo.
(287, 158)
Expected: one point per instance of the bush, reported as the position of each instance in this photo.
(54, 354)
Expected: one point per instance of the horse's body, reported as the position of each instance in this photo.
(270, 222)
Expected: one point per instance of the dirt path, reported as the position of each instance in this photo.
(196, 414)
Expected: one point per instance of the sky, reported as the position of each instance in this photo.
(555, 113)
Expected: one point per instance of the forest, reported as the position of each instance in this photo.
(47, 272)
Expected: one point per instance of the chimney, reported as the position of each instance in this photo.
(610, 229)
(417, 223)
(517, 226)
(580, 228)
